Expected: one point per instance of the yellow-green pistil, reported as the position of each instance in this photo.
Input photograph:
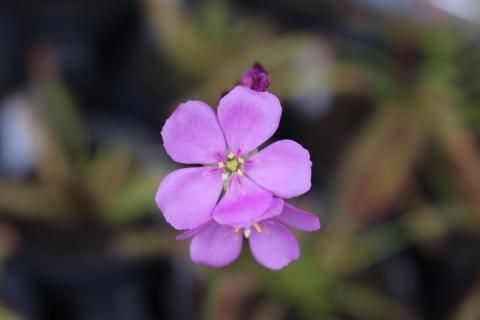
(231, 165)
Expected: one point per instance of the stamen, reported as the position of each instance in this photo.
(236, 229)
(231, 155)
(216, 153)
(220, 165)
(247, 232)
(240, 172)
(240, 149)
(257, 227)
(224, 176)
(241, 160)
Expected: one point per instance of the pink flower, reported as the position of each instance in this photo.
(271, 243)
(235, 185)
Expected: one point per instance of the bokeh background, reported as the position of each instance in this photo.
(384, 93)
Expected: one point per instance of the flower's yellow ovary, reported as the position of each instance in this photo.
(232, 165)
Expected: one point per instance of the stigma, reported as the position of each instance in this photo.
(232, 164)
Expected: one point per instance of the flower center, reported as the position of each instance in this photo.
(231, 165)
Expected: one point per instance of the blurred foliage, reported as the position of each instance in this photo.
(410, 177)
(6, 314)
(72, 183)
(420, 115)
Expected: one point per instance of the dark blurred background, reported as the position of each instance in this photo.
(384, 93)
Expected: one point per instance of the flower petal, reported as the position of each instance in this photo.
(216, 245)
(243, 203)
(276, 207)
(192, 135)
(298, 219)
(192, 232)
(187, 196)
(248, 118)
(275, 246)
(284, 168)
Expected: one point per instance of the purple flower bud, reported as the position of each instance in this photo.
(255, 78)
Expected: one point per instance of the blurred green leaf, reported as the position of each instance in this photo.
(378, 165)
(108, 172)
(64, 120)
(33, 202)
(6, 314)
(134, 199)
(362, 302)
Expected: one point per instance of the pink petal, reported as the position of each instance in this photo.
(275, 246)
(284, 168)
(248, 118)
(276, 207)
(192, 134)
(216, 245)
(192, 232)
(298, 219)
(243, 203)
(187, 196)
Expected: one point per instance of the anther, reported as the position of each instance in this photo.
(257, 227)
(247, 232)
(231, 155)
